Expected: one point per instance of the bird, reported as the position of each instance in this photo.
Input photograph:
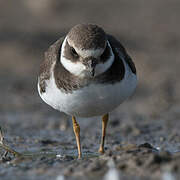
(86, 73)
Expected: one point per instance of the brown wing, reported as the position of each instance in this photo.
(117, 45)
(51, 55)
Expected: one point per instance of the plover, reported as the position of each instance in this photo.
(86, 73)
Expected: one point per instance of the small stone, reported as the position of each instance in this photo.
(146, 145)
(161, 139)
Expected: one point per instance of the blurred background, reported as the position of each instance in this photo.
(150, 31)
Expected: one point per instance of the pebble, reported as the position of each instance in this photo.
(60, 177)
(168, 176)
(112, 173)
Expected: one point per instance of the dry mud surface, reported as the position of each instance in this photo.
(143, 138)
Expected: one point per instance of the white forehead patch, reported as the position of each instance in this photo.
(90, 52)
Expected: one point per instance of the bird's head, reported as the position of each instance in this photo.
(86, 51)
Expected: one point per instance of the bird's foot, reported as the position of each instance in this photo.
(101, 150)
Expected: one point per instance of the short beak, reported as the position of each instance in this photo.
(91, 66)
(92, 72)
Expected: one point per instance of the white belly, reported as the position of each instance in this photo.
(93, 100)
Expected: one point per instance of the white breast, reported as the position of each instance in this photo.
(92, 100)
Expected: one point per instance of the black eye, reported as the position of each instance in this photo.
(73, 51)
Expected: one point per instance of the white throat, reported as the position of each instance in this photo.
(78, 69)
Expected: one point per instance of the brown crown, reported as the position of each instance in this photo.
(87, 36)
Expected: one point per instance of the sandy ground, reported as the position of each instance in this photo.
(143, 138)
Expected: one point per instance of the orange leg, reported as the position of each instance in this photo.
(76, 129)
(104, 125)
